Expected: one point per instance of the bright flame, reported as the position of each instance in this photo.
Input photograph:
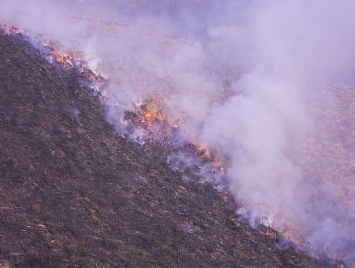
(10, 29)
(62, 59)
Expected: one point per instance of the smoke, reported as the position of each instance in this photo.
(265, 84)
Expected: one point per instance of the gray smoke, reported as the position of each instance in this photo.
(265, 84)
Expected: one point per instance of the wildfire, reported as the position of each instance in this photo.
(54, 53)
(151, 113)
(69, 62)
(152, 123)
(147, 116)
(62, 59)
(270, 232)
(10, 29)
(337, 260)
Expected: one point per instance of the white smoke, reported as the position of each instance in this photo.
(241, 77)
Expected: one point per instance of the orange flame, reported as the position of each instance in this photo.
(152, 113)
(63, 59)
(270, 232)
(10, 29)
(337, 260)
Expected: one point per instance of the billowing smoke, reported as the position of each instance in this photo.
(265, 84)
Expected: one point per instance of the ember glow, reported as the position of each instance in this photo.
(10, 29)
(54, 54)
(257, 97)
(62, 59)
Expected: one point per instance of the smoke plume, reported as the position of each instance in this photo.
(268, 85)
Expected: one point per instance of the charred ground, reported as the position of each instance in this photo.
(73, 193)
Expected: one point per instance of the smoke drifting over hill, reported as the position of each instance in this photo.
(253, 81)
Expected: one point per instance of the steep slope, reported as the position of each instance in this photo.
(76, 194)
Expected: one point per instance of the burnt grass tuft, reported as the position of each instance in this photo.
(74, 193)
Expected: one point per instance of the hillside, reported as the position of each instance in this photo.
(76, 194)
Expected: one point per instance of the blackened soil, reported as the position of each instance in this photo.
(73, 193)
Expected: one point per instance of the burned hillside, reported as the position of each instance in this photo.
(76, 194)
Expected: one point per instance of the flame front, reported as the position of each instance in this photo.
(62, 59)
(10, 29)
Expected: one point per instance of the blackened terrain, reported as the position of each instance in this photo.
(73, 193)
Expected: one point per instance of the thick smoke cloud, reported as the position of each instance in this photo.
(262, 83)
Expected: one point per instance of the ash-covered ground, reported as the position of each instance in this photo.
(74, 193)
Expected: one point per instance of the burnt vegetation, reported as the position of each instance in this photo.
(73, 193)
